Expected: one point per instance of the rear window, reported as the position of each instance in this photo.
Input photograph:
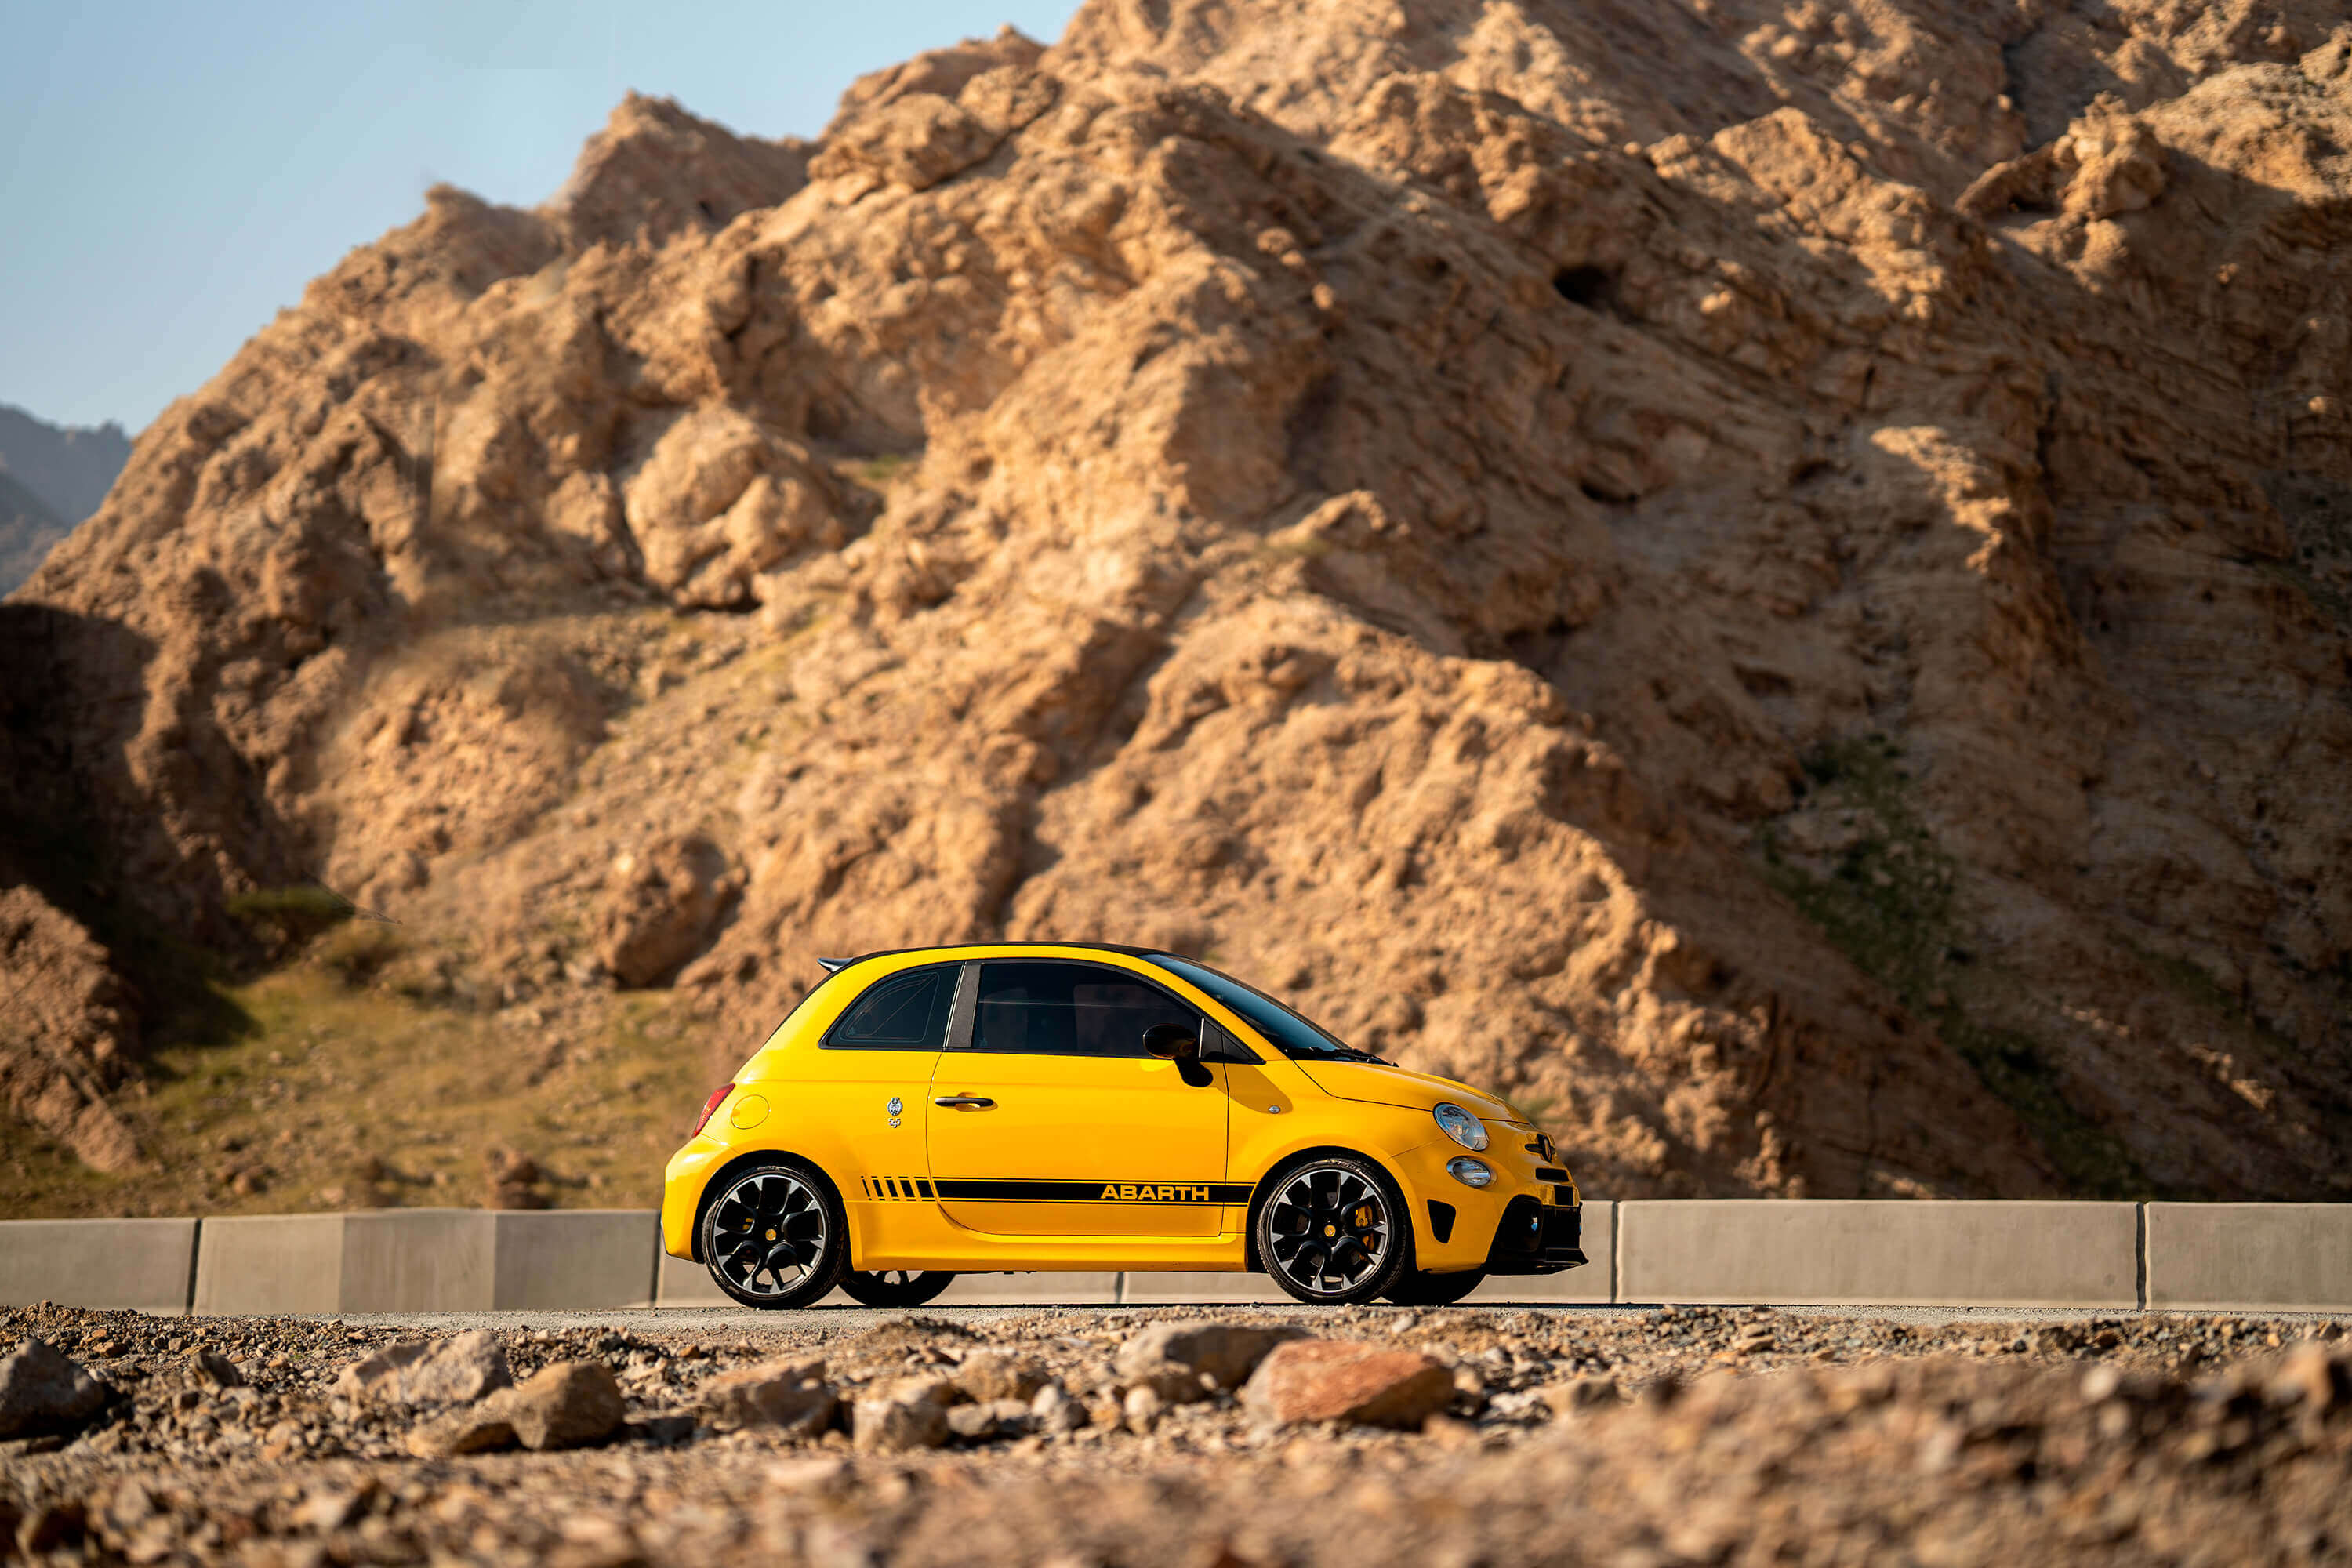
(904, 1013)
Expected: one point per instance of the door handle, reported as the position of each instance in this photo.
(966, 1102)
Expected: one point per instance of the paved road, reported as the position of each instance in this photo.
(702, 1322)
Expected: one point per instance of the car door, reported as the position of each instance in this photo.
(867, 1082)
(1048, 1118)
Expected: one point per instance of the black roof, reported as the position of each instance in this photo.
(836, 966)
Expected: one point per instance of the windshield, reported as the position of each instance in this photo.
(1287, 1032)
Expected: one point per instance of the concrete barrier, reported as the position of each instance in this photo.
(384, 1261)
(2186, 1257)
(270, 1263)
(145, 1265)
(1868, 1253)
(419, 1260)
(2293, 1257)
(577, 1258)
(427, 1261)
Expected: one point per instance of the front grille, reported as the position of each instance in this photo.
(1535, 1238)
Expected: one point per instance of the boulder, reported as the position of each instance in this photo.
(456, 1370)
(42, 1392)
(1348, 1379)
(1053, 1410)
(662, 907)
(988, 1376)
(567, 1405)
(911, 1413)
(470, 1429)
(1184, 1361)
(994, 1419)
(789, 1395)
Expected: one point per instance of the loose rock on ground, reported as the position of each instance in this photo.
(1366, 1436)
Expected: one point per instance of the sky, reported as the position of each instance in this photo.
(174, 172)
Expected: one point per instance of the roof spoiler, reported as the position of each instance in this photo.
(836, 966)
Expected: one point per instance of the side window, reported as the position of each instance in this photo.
(1046, 1008)
(905, 1013)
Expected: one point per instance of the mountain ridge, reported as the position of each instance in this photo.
(1670, 562)
(54, 478)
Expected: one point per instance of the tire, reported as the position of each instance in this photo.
(1331, 1196)
(1420, 1289)
(775, 1236)
(893, 1287)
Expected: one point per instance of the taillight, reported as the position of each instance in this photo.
(709, 1106)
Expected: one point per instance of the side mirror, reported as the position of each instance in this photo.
(1172, 1042)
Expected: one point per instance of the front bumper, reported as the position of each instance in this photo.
(1537, 1238)
(1459, 1227)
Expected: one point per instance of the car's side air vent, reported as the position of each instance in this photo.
(1440, 1221)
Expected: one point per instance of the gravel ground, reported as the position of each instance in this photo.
(1630, 1437)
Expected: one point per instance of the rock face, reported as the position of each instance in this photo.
(70, 1030)
(1770, 579)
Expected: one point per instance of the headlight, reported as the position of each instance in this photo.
(1469, 1171)
(1460, 1125)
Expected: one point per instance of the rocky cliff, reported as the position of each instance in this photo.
(1774, 579)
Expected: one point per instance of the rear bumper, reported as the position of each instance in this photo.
(682, 1182)
(1537, 1238)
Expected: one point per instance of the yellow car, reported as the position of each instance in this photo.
(1037, 1106)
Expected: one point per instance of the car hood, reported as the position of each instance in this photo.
(1377, 1084)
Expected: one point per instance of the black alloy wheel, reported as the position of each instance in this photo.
(1332, 1232)
(775, 1235)
(1422, 1289)
(893, 1287)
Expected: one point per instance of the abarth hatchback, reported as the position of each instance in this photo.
(1043, 1106)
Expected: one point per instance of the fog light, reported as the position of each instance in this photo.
(1469, 1171)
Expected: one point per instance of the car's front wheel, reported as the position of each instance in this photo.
(775, 1235)
(1333, 1232)
(893, 1287)
(1420, 1289)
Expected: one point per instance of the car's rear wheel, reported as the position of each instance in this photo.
(1422, 1289)
(893, 1287)
(1332, 1232)
(775, 1236)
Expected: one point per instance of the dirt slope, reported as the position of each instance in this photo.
(1771, 578)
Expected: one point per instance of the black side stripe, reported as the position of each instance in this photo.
(1108, 1192)
(910, 1188)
